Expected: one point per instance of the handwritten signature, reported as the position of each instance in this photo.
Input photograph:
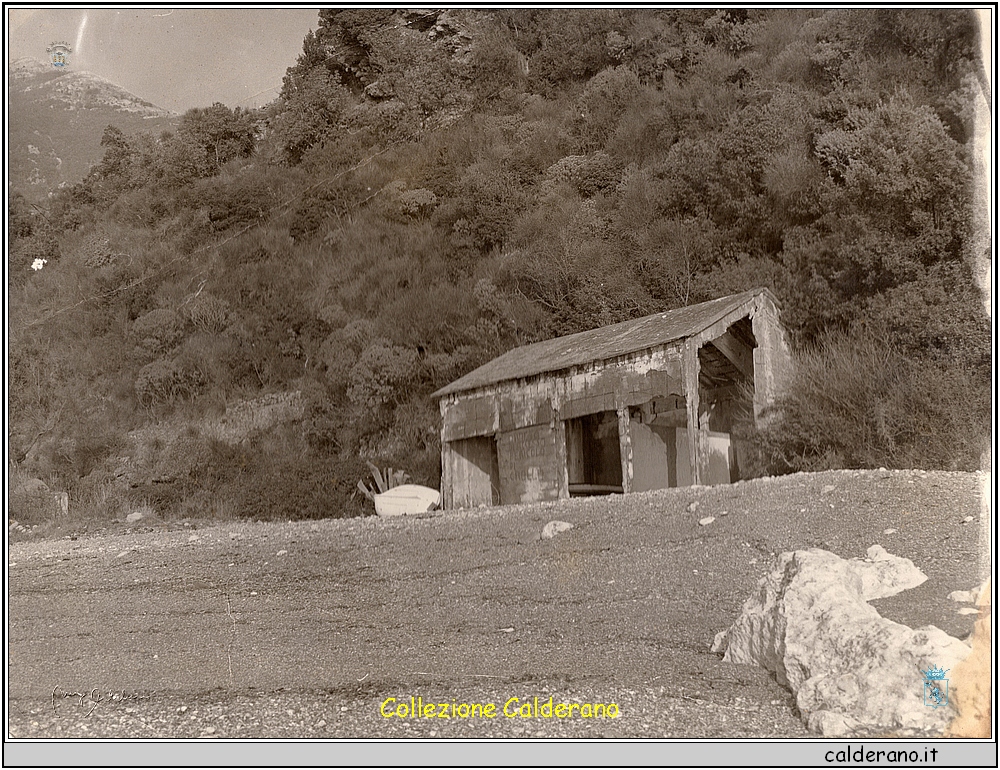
(97, 696)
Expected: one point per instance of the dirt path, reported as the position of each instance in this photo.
(303, 630)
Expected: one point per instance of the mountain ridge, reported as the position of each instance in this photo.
(57, 118)
(81, 89)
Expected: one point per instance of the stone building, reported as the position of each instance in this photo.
(639, 405)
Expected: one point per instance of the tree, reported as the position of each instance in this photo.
(311, 105)
(221, 133)
(895, 202)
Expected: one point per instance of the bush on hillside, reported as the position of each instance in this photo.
(158, 331)
(166, 381)
(276, 476)
(854, 402)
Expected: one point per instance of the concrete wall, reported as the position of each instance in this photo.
(654, 456)
(532, 464)
(717, 468)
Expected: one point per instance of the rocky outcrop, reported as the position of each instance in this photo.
(850, 669)
(32, 499)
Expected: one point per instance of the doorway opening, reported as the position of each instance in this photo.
(593, 455)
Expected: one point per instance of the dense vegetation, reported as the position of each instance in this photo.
(433, 188)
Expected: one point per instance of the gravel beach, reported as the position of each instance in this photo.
(308, 629)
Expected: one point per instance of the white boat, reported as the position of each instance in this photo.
(406, 498)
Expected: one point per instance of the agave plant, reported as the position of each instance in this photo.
(384, 480)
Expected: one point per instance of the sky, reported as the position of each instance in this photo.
(175, 58)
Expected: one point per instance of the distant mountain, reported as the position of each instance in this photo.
(56, 120)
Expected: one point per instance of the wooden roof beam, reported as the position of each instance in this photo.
(739, 355)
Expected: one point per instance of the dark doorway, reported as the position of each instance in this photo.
(593, 455)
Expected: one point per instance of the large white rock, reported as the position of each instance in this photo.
(809, 622)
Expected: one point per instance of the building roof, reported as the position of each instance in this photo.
(601, 344)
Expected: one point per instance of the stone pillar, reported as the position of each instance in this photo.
(697, 424)
(447, 473)
(691, 396)
(625, 447)
(559, 426)
(447, 463)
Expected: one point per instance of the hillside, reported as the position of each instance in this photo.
(230, 319)
(56, 120)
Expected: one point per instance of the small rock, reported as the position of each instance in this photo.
(132, 518)
(967, 519)
(706, 521)
(724, 513)
(827, 489)
(282, 552)
(968, 611)
(123, 553)
(553, 528)
(508, 630)
(692, 506)
(210, 730)
(321, 723)
(182, 709)
(890, 531)
(193, 538)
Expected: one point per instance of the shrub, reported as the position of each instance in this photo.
(338, 358)
(854, 402)
(276, 476)
(158, 331)
(590, 174)
(168, 381)
(208, 313)
(606, 98)
(378, 377)
(417, 203)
